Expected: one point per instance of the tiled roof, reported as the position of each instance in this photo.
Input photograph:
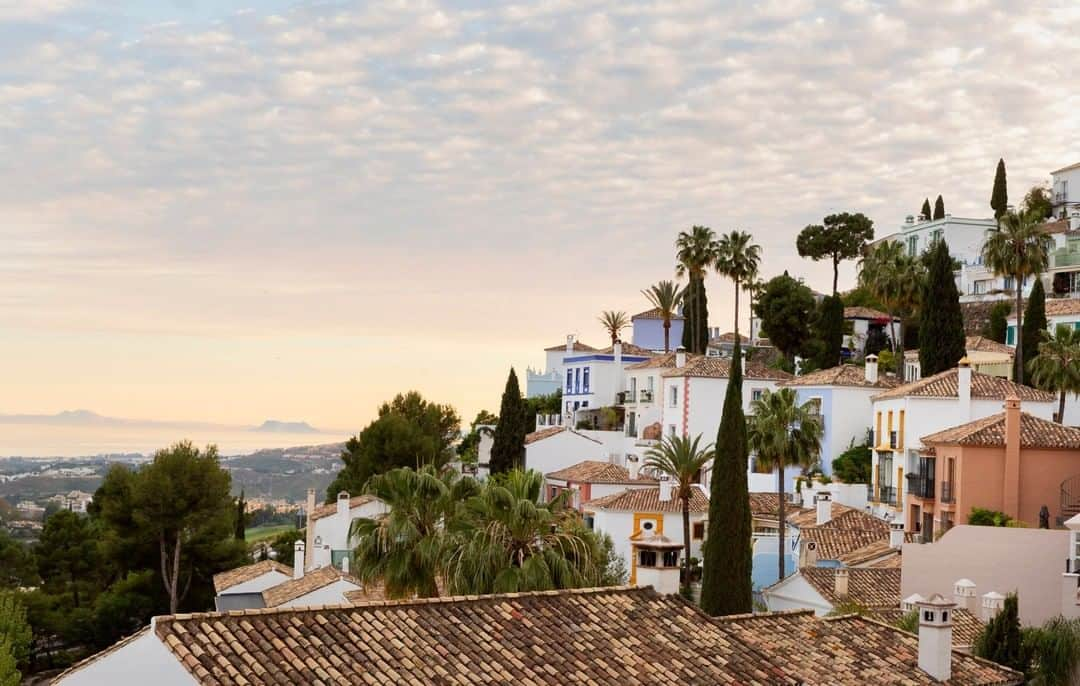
(604, 637)
(875, 554)
(802, 518)
(987, 345)
(660, 361)
(944, 385)
(628, 349)
(989, 432)
(846, 533)
(966, 626)
(720, 368)
(859, 312)
(553, 431)
(1056, 226)
(578, 347)
(329, 509)
(648, 500)
(842, 375)
(854, 650)
(595, 472)
(867, 586)
(654, 313)
(234, 577)
(728, 337)
(311, 581)
(1061, 306)
(367, 594)
(768, 505)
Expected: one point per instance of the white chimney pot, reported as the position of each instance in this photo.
(633, 465)
(935, 637)
(840, 583)
(896, 535)
(680, 357)
(667, 486)
(871, 368)
(963, 388)
(823, 503)
(992, 603)
(964, 594)
(298, 559)
(343, 505)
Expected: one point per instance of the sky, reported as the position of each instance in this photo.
(235, 210)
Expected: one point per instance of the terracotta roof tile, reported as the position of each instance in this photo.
(234, 577)
(989, 432)
(654, 313)
(553, 431)
(311, 581)
(330, 509)
(648, 500)
(1062, 306)
(595, 472)
(802, 518)
(720, 368)
(604, 637)
(842, 375)
(983, 344)
(658, 362)
(859, 312)
(850, 531)
(578, 347)
(728, 337)
(944, 385)
(628, 349)
(966, 626)
(867, 586)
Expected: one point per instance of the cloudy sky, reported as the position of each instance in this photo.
(229, 210)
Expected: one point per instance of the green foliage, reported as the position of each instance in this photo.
(409, 431)
(508, 445)
(840, 237)
(1038, 202)
(1057, 366)
(1001, 641)
(541, 404)
(696, 252)
(861, 296)
(925, 212)
(982, 517)
(681, 460)
(896, 278)
(467, 450)
(15, 632)
(942, 342)
(999, 196)
(998, 326)
(939, 208)
(828, 332)
(877, 341)
(614, 322)
(726, 585)
(853, 466)
(125, 607)
(784, 307)
(66, 554)
(17, 565)
(1054, 649)
(240, 517)
(9, 671)
(848, 607)
(909, 622)
(695, 336)
(612, 565)
(284, 545)
(738, 258)
(666, 297)
(1034, 329)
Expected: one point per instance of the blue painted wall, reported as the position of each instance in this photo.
(826, 395)
(649, 333)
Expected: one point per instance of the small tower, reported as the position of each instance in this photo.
(964, 594)
(896, 534)
(935, 636)
(823, 505)
(657, 562)
(992, 603)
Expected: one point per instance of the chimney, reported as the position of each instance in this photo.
(992, 603)
(935, 637)
(964, 594)
(680, 357)
(963, 387)
(345, 565)
(840, 583)
(666, 488)
(1074, 220)
(343, 506)
(823, 502)
(871, 369)
(309, 545)
(896, 534)
(808, 554)
(1011, 495)
(632, 466)
(569, 343)
(298, 560)
(910, 219)
(908, 604)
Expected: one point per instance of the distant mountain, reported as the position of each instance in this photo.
(90, 418)
(274, 426)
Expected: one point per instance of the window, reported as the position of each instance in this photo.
(590, 520)
(671, 558)
(553, 492)
(814, 405)
(935, 235)
(756, 394)
(647, 558)
(1009, 282)
(674, 401)
(585, 381)
(912, 246)
(633, 388)
(577, 379)
(649, 384)
(1010, 335)
(671, 430)
(569, 380)
(698, 531)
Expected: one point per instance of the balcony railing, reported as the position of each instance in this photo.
(645, 396)
(921, 485)
(892, 440)
(947, 494)
(625, 398)
(1065, 258)
(887, 495)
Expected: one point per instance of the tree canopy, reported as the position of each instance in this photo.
(999, 196)
(840, 237)
(784, 307)
(508, 445)
(939, 208)
(942, 342)
(1035, 327)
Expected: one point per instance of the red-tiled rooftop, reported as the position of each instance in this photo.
(234, 577)
(553, 431)
(596, 472)
(720, 368)
(648, 500)
(989, 432)
(946, 384)
(843, 375)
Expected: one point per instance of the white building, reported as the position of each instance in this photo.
(865, 320)
(589, 480)
(985, 356)
(549, 380)
(1065, 189)
(842, 395)
(328, 541)
(903, 415)
(595, 379)
(559, 447)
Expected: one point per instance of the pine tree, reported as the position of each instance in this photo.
(829, 332)
(726, 586)
(1001, 640)
(1034, 325)
(508, 445)
(925, 211)
(942, 342)
(999, 197)
(939, 208)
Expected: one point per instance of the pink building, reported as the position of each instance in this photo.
(1011, 462)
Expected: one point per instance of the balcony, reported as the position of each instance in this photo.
(887, 496)
(1064, 258)
(947, 494)
(625, 398)
(921, 485)
(645, 396)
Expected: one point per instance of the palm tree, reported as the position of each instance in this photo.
(893, 277)
(614, 322)
(783, 433)
(696, 252)
(681, 460)
(754, 288)
(405, 549)
(1057, 366)
(510, 540)
(738, 259)
(665, 296)
(1017, 248)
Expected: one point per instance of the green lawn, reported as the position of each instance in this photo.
(261, 533)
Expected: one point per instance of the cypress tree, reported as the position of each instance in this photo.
(941, 324)
(1034, 325)
(726, 586)
(241, 516)
(508, 444)
(998, 326)
(1001, 640)
(695, 336)
(829, 332)
(689, 318)
(999, 197)
(925, 211)
(939, 208)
